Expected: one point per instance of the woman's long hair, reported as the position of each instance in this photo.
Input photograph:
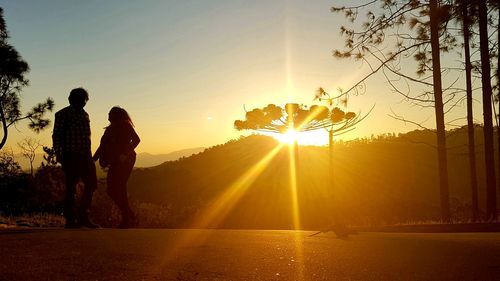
(119, 115)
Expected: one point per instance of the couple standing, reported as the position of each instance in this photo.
(71, 142)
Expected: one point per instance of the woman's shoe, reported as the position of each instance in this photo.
(128, 221)
(126, 224)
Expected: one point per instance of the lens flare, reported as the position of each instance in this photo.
(289, 137)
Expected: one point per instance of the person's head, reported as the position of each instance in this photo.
(78, 97)
(119, 115)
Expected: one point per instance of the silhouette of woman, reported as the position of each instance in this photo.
(116, 151)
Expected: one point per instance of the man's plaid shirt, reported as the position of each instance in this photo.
(71, 131)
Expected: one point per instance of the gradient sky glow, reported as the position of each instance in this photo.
(185, 69)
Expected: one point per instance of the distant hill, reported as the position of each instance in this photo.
(143, 159)
(150, 160)
(383, 179)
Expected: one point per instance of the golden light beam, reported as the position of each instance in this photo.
(233, 193)
(219, 209)
(297, 236)
(293, 187)
(293, 156)
(223, 205)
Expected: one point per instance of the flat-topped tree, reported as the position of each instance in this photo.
(300, 118)
(297, 118)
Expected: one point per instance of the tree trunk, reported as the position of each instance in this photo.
(439, 109)
(330, 160)
(470, 117)
(333, 191)
(296, 156)
(498, 99)
(4, 126)
(489, 156)
(338, 224)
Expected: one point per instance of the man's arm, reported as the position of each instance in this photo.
(57, 136)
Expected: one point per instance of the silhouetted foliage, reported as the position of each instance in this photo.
(8, 165)
(16, 187)
(49, 189)
(49, 157)
(13, 70)
(25, 193)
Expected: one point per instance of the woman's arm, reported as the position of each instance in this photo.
(135, 140)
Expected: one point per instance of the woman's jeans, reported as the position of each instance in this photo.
(118, 175)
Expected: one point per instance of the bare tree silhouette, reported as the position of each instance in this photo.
(28, 147)
(491, 198)
(417, 30)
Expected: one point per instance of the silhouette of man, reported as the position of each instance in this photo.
(71, 142)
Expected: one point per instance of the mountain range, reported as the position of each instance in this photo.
(144, 159)
(248, 183)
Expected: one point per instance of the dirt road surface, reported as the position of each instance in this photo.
(166, 254)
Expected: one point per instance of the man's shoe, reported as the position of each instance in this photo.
(124, 225)
(86, 222)
(72, 225)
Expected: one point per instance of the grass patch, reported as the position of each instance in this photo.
(32, 220)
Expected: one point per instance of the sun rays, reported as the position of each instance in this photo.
(293, 186)
(291, 121)
(218, 210)
(216, 213)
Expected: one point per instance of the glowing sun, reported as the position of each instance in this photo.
(288, 137)
(318, 137)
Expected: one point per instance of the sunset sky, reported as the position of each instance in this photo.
(185, 70)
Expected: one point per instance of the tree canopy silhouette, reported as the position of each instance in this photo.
(296, 117)
(13, 70)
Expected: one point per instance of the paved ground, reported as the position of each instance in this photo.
(245, 255)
